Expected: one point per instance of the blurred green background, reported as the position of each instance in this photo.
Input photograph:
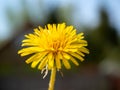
(98, 19)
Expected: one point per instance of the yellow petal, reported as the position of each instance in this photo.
(80, 35)
(76, 55)
(49, 26)
(73, 32)
(32, 58)
(60, 27)
(66, 63)
(27, 36)
(30, 44)
(26, 40)
(65, 55)
(83, 49)
(69, 29)
(39, 56)
(43, 63)
(70, 50)
(74, 61)
(80, 53)
(54, 27)
(34, 63)
(37, 32)
(30, 50)
(51, 60)
(57, 60)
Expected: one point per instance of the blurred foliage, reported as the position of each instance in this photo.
(103, 43)
(102, 40)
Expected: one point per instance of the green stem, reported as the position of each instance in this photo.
(52, 79)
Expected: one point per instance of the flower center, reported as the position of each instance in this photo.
(56, 45)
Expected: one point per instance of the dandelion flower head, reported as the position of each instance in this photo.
(54, 46)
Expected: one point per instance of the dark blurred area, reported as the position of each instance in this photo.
(101, 68)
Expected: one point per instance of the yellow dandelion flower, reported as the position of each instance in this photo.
(54, 46)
